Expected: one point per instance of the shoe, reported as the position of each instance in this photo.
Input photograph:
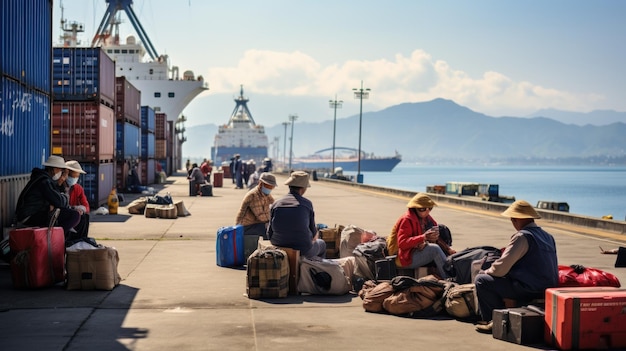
(485, 328)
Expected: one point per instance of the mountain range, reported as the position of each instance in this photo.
(443, 131)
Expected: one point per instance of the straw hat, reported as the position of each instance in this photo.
(421, 200)
(55, 162)
(298, 179)
(75, 166)
(268, 178)
(521, 209)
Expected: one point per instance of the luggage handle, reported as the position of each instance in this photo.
(536, 309)
(53, 219)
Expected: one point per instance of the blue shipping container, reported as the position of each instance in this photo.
(26, 42)
(148, 119)
(24, 128)
(128, 141)
(97, 182)
(147, 145)
(83, 74)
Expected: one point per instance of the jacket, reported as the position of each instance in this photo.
(409, 234)
(38, 195)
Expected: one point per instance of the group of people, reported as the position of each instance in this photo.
(51, 189)
(526, 268)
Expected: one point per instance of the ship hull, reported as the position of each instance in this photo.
(225, 153)
(383, 164)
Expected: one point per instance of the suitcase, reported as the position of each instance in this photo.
(524, 325)
(229, 246)
(192, 188)
(206, 189)
(218, 179)
(586, 318)
(38, 256)
(92, 269)
(267, 274)
(385, 268)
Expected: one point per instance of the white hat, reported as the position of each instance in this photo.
(74, 166)
(55, 162)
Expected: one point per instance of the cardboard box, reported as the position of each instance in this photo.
(586, 318)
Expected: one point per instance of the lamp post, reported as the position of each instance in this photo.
(292, 119)
(335, 104)
(285, 124)
(360, 94)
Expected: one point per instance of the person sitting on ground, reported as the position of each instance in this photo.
(254, 212)
(41, 197)
(417, 234)
(197, 178)
(292, 220)
(77, 200)
(527, 267)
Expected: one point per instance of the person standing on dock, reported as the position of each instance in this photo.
(527, 267)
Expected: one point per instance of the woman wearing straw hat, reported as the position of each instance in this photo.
(41, 196)
(527, 267)
(78, 201)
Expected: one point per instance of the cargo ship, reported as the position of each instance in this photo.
(347, 159)
(241, 135)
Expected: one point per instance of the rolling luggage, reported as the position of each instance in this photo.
(38, 256)
(524, 325)
(267, 274)
(91, 269)
(229, 246)
(206, 189)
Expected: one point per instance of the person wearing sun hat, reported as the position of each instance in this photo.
(78, 200)
(254, 211)
(527, 267)
(416, 234)
(41, 196)
(292, 219)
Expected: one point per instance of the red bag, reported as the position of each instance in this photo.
(577, 275)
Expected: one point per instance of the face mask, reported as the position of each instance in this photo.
(266, 191)
(57, 175)
(71, 181)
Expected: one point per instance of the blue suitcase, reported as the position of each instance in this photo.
(229, 246)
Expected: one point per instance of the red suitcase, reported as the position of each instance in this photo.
(586, 318)
(38, 256)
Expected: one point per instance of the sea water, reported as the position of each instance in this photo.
(589, 191)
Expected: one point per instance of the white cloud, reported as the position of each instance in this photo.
(405, 79)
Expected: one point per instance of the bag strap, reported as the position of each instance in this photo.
(53, 219)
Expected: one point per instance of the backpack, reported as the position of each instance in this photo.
(461, 302)
(459, 265)
(350, 238)
(366, 255)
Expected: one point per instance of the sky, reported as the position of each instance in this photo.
(500, 58)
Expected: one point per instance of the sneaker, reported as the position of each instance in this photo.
(485, 328)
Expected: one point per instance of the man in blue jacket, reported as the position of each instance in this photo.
(527, 267)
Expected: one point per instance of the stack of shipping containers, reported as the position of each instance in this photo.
(25, 61)
(147, 163)
(161, 134)
(83, 116)
(128, 140)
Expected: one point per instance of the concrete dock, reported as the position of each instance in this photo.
(173, 296)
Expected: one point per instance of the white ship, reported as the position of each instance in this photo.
(240, 136)
(161, 85)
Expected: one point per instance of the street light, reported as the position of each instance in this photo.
(292, 118)
(335, 104)
(285, 124)
(360, 94)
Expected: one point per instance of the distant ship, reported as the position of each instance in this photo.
(347, 159)
(241, 135)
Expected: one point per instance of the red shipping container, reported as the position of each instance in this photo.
(160, 151)
(128, 102)
(83, 131)
(162, 127)
(148, 170)
(38, 256)
(586, 317)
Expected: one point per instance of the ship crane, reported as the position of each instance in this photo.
(109, 22)
(241, 104)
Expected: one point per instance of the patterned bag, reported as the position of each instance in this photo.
(267, 274)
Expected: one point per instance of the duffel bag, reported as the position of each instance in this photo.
(323, 277)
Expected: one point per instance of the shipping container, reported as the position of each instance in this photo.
(121, 173)
(97, 182)
(83, 130)
(128, 101)
(148, 119)
(26, 42)
(148, 170)
(10, 189)
(160, 149)
(461, 188)
(164, 165)
(161, 128)
(83, 74)
(24, 128)
(128, 141)
(147, 145)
